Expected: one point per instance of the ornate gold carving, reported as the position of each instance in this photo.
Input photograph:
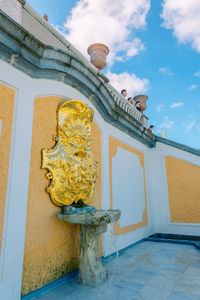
(71, 168)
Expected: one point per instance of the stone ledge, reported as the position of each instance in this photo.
(22, 1)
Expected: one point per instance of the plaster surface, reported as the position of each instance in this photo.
(126, 173)
(183, 190)
(7, 101)
(49, 253)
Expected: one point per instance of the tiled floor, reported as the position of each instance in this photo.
(146, 271)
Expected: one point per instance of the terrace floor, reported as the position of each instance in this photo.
(145, 271)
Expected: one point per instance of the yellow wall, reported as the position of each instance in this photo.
(113, 145)
(7, 97)
(183, 181)
(51, 246)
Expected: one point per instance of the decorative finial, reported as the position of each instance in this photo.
(98, 53)
(45, 17)
(140, 102)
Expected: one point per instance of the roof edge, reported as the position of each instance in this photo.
(178, 145)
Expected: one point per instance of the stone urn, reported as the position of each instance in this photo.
(98, 53)
(140, 102)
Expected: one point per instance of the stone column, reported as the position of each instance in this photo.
(92, 272)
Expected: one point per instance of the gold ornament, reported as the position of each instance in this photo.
(72, 169)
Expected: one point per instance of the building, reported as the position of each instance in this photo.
(153, 181)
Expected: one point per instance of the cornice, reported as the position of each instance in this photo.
(22, 2)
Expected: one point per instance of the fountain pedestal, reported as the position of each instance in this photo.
(92, 225)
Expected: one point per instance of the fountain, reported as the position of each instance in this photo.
(72, 172)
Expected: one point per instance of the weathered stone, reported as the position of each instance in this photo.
(92, 225)
(71, 209)
(91, 270)
(91, 218)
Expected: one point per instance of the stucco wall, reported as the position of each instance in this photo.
(183, 190)
(175, 190)
(7, 96)
(127, 186)
(51, 247)
(49, 251)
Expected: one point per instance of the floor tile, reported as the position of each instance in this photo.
(152, 293)
(146, 271)
(180, 296)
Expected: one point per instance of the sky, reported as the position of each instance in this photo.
(154, 50)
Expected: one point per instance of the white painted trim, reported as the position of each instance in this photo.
(15, 212)
(166, 196)
(7, 200)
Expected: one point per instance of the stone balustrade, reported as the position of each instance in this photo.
(127, 106)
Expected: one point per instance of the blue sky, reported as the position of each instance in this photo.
(154, 49)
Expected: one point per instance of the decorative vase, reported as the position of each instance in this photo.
(141, 100)
(98, 53)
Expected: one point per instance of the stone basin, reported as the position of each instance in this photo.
(98, 217)
(92, 225)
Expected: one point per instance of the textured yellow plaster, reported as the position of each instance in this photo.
(183, 190)
(51, 246)
(96, 151)
(7, 97)
(113, 145)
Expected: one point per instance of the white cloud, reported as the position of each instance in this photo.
(109, 22)
(197, 73)
(183, 17)
(160, 107)
(167, 124)
(165, 71)
(176, 104)
(193, 87)
(130, 82)
(190, 125)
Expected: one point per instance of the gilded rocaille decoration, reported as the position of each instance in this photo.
(71, 168)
